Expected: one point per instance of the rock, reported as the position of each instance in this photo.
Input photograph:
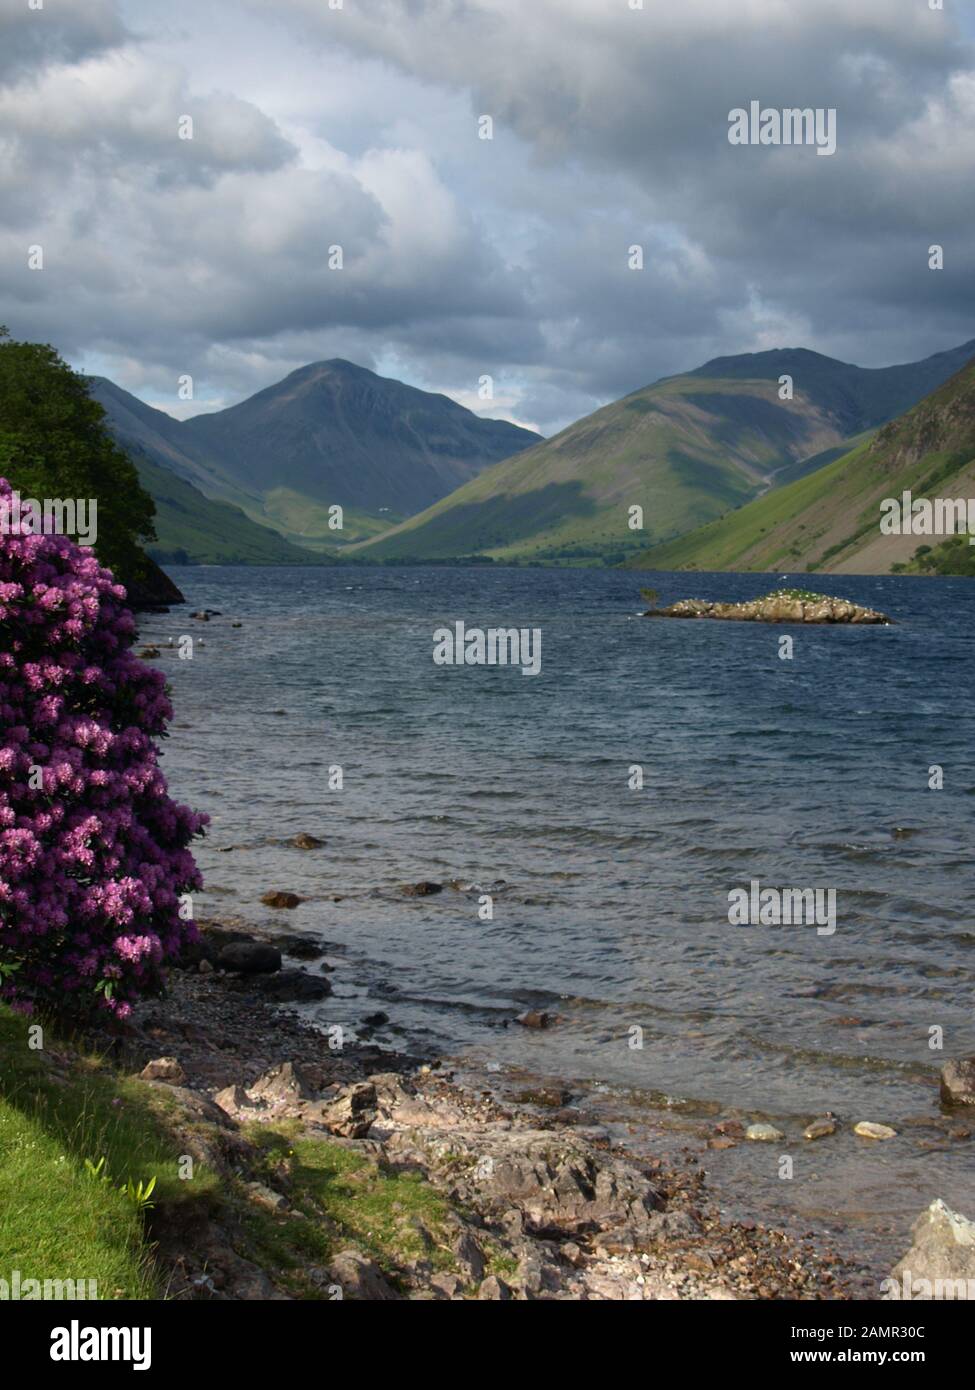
(164, 1069)
(360, 1278)
(149, 653)
(941, 1262)
(556, 1182)
(535, 1018)
(448, 1285)
(352, 1112)
(422, 889)
(299, 946)
(376, 1020)
(764, 1134)
(672, 1225)
(249, 958)
(868, 1130)
(469, 1256)
(819, 1129)
(235, 1101)
(494, 1289)
(265, 1196)
(282, 1085)
(281, 900)
(304, 841)
(958, 1082)
(547, 1097)
(295, 987)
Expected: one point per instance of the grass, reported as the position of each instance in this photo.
(59, 1108)
(341, 1198)
(64, 1109)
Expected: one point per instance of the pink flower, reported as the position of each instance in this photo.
(94, 855)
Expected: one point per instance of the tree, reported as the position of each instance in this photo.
(54, 443)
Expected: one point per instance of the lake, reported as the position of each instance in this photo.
(610, 902)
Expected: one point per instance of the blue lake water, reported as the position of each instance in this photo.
(812, 772)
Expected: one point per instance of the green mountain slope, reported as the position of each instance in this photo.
(830, 520)
(686, 450)
(192, 529)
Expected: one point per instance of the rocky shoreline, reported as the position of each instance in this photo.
(535, 1206)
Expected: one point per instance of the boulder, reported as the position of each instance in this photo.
(351, 1113)
(249, 958)
(423, 889)
(941, 1261)
(282, 1085)
(295, 987)
(958, 1082)
(305, 841)
(559, 1185)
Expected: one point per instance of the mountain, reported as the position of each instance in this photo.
(686, 449)
(328, 433)
(192, 529)
(830, 520)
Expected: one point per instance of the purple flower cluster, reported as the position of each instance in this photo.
(94, 854)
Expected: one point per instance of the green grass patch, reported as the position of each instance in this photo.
(341, 1198)
(58, 1109)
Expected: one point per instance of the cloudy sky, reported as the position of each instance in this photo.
(318, 123)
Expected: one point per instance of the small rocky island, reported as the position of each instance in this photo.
(783, 606)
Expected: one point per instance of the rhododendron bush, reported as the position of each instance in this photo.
(94, 855)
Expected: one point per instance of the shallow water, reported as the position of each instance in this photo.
(614, 910)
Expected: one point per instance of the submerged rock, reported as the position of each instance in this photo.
(304, 841)
(423, 889)
(535, 1018)
(281, 900)
(784, 606)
